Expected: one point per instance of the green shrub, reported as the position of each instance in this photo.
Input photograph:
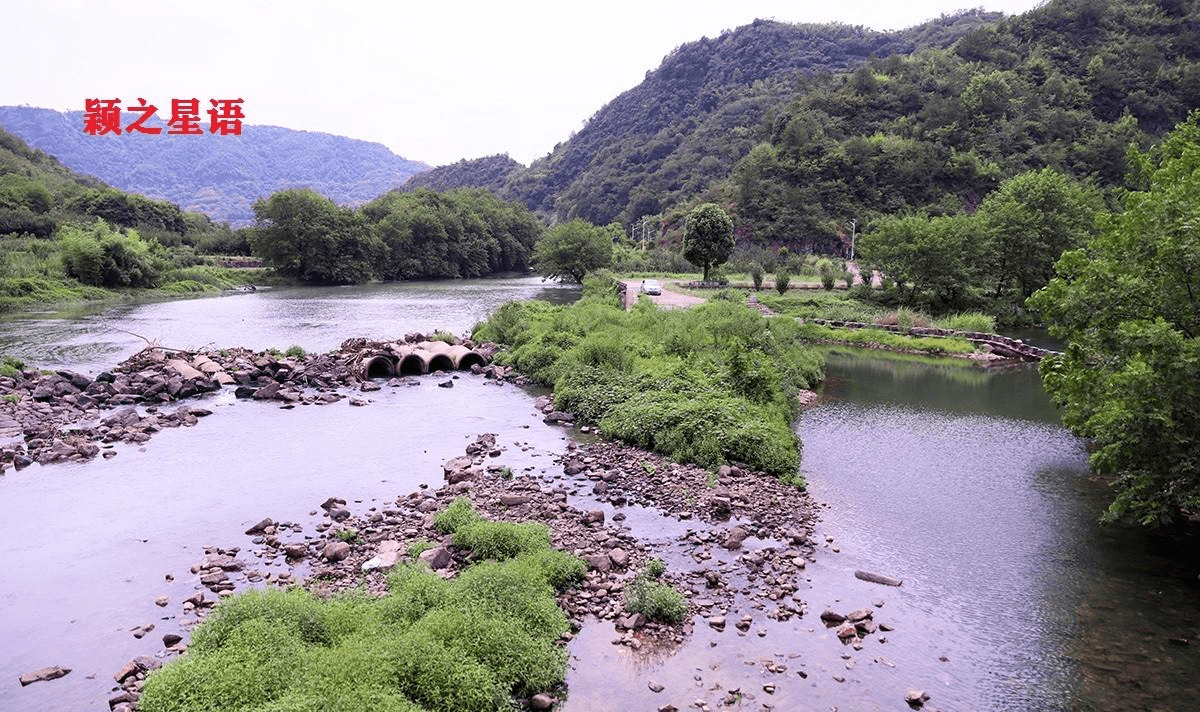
(827, 280)
(502, 540)
(782, 279)
(295, 351)
(657, 601)
(459, 514)
(444, 336)
(416, 547)
(11, 367)
(560, 569)
(655, 568)
(968, 321)
(756, 275)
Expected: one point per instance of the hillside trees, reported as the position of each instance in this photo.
(1128, 304)
(571, 250)
(708, 237)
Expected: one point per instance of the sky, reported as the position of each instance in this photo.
(432, 81)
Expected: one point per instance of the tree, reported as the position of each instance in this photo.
(708, 237)
(306, 236)
(571, 250)
(937, 257)
(1128, 305)
(1029, 222)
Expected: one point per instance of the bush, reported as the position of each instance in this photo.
(657, 601)
(782, 279)
(756, 275)
(502, 540)
(11, 367)
(459, 514)
(969, 321)
(295, 351)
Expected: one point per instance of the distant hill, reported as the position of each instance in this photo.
(691, 119)
(487, 172)
(220, 176)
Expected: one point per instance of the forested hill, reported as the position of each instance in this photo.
(692, 118)
(487, 172)
(220, 176)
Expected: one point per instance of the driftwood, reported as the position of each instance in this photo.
(877, 578)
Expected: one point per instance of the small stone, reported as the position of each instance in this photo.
(170, 639)
(335, 551)
(162, 601)
(916, 698)
(541, 702)
(655, 686)
(717, 622)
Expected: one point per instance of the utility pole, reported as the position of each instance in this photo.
(853, 229)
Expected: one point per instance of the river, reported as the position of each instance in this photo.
(960, 481)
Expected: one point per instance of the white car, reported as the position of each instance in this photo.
(651, 286)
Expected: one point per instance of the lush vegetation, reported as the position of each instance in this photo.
(398, 236)
(66, 237)
(571, 250)
(708, 385)
(993, 259)
(469, 644)
(1128, 303)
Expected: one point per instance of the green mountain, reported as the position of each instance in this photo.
(220, 176)
(691, 120)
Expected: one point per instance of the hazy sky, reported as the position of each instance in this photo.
(433, 81)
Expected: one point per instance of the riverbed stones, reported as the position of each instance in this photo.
(335, 551)
(44, 675)
(916, 698)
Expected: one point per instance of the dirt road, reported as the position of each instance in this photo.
(666, 300)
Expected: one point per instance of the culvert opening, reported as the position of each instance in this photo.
(412, 365)
(469, 360)
(380, 367)
(441, 362)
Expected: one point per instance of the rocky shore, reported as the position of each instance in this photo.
(65, 416)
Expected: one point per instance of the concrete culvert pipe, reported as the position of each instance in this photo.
(377, 367)
(441, 362)
(413, 364)
(463, 357)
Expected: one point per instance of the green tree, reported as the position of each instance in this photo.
(1129, 306)
(1029, 222)
(936, 257)
(306, 236)
(708, 237)
(571, 250)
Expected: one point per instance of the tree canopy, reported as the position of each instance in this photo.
(573, 249)
(1129, 306)
(708, 237)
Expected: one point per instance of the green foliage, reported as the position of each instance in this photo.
(11, 367)
(708, 237)
(306, 236)
(463, 645)
(934, 346)
(502, 540)
(756, 275)
(657, 601)
(1128, 304)
(655, 568)
(416, 547)
(347, 535)
(458, 515)
(708, 385)
(294, 351)
(444, 336)
(571, 250)
(968, 321)
(103, 257)
(782, 279)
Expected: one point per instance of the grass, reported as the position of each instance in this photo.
(11, 367)
(708, 385)
(477, 643)
(929, 345)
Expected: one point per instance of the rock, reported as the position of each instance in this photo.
(619, 557)
(859, 615)
(339, 514)
(460, 476)
(462, 462)
(387, 556)
(446, 384)
(633, 621)
(877, 578)
(598, 562)
(44, 675)
(847, 631)
(574, 467)
(559, 416)
(335, 551)
(170, 639)
(141, 631)
(514, 500)
(717, 622)
(295, 551)
(541, 702)
(162, 601)
(595, 516)
(832, 617)
(260, 527)
(735, 538)
(437, 557)
(915, 698)
(655, 686)
(184, 369)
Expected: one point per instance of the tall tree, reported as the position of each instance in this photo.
(1129, 306)
(708, 237)
(571, 250)
(306, 236)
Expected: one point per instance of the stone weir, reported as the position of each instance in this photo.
(57, 416)
(1003, 346)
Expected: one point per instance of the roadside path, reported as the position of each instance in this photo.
(666, 300)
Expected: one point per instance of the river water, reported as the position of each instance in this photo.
(959, 481)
